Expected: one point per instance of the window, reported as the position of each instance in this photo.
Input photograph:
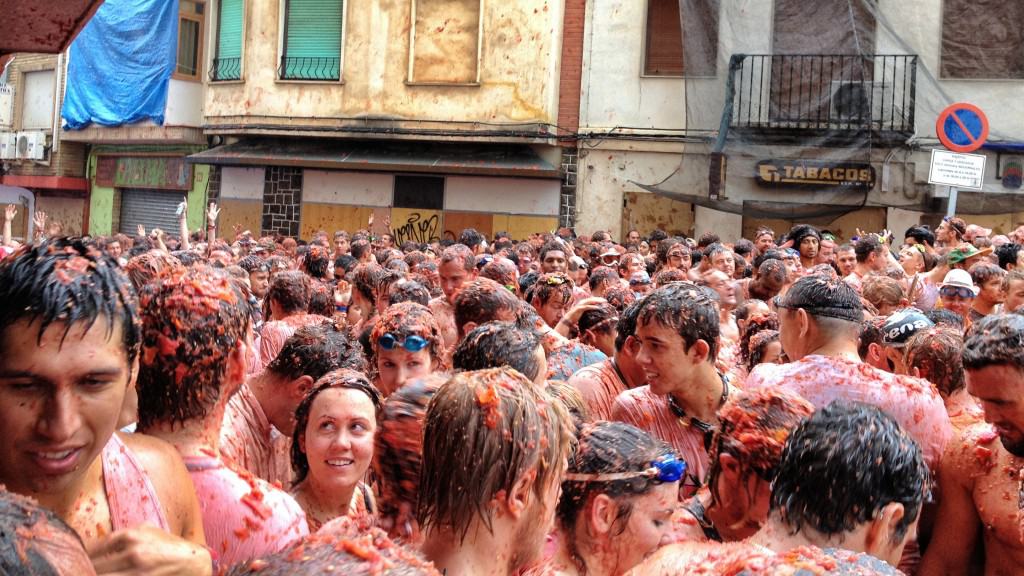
(982, 39)
(312, 40)
(227, 61)
(444, 42)
(190, 40)
(37, 102)
(421, 192)
(664, 38)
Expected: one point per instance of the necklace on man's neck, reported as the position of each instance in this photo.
(705, 427)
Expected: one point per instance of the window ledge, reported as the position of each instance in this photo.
(176, 76)
(674, 77)
(312, 82)
(226, 82)
(448, 84)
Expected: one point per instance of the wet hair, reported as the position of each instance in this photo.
(406, 319)
(254, 263)
(526, 281)
(936, 352)
(501, 271)
(882, 290)
(757, 347)
(553, 246)
(316, 350)
(762, 230)
(621, 297)
(192, 323)
(842, 465)
(459, 253)
(626, 326)
(366, 278)
(602, 274)
(359, 248)
(33, 537)
(800, 231)
(366, 553)
(753, 428)
(499, 344)
(345, 263)
(995, 340)
(871, 333)
(769, 254)
(321, 299)
(754, 326)
(151, 265)
(57, 281)
(825, 298)
(742, 312)
(609, 448)
(484, 430)
(688, 309)
(743, 247)
(398, 446)
(1007, 254)
(571, 398)
(471, 238)
(548, 285)
(344, 378)
(657, 235)
(866, 246)
(290, 289)
(958, 227)
(983, 272)
(603, 318)
(943, 317)
(669, 275)
(921, 235)
(713, 250)
(481, 300)
(408, 291)
(707, 239)
(316, 261)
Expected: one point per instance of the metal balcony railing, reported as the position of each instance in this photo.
(823, 92)
(310, 68)
(226, 69)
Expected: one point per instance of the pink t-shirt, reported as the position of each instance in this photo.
(131, 496)
(649, 412)
(598, 385)
(250, 442)
(274, 334)
(913, 402)
(243, 517)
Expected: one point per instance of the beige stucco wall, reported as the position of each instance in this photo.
(518, 70)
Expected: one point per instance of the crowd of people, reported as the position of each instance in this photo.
(556, 405)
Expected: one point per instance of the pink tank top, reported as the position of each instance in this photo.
(130, 495)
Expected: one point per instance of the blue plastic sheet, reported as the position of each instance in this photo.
(121, 63)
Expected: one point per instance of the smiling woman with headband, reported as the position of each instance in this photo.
(617, 501)
(406, 343)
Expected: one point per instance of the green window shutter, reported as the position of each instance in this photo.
(228, 65)
(312, 44)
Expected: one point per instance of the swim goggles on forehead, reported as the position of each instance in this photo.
(665, 469)
(411, 343)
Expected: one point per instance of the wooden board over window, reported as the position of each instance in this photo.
(445, 42)
(668, 51)
(982, 39)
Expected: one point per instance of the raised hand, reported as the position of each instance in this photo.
(211, 216)
(10, 212)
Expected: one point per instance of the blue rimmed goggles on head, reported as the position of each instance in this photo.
(666, 469)
(411, 343)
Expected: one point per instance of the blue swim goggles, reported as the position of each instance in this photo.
(666, 469)
(411, 343)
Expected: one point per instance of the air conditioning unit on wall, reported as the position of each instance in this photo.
(32, 145)
(8, 145)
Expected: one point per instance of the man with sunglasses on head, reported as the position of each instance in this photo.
(980, 476)
(678, 331)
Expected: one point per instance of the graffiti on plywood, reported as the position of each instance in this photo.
(418, 227)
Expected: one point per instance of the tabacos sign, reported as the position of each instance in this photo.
(815, 174)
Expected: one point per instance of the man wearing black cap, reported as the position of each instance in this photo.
(819, 323)
(897, 330)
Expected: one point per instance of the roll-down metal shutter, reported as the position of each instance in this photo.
(151, 208)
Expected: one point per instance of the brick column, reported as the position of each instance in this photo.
(567, 196)
(569, 88)
(282, 201)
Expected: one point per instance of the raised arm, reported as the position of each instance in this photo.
(183, 224)
(9, 214)
(211, 226)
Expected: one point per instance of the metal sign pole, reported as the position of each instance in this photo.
(951, 209)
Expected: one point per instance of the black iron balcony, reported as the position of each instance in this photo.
(808, 95)
(226, 69)
(310, 68)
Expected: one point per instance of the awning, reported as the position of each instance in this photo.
(47, 27)
(480, 159)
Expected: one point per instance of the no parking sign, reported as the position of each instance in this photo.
(962, 127)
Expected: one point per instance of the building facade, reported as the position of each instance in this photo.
(691, 110)
(431, 116)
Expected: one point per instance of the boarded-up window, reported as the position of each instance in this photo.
(445, 41)
(668, 51)
(37, 110)
(982, 39)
